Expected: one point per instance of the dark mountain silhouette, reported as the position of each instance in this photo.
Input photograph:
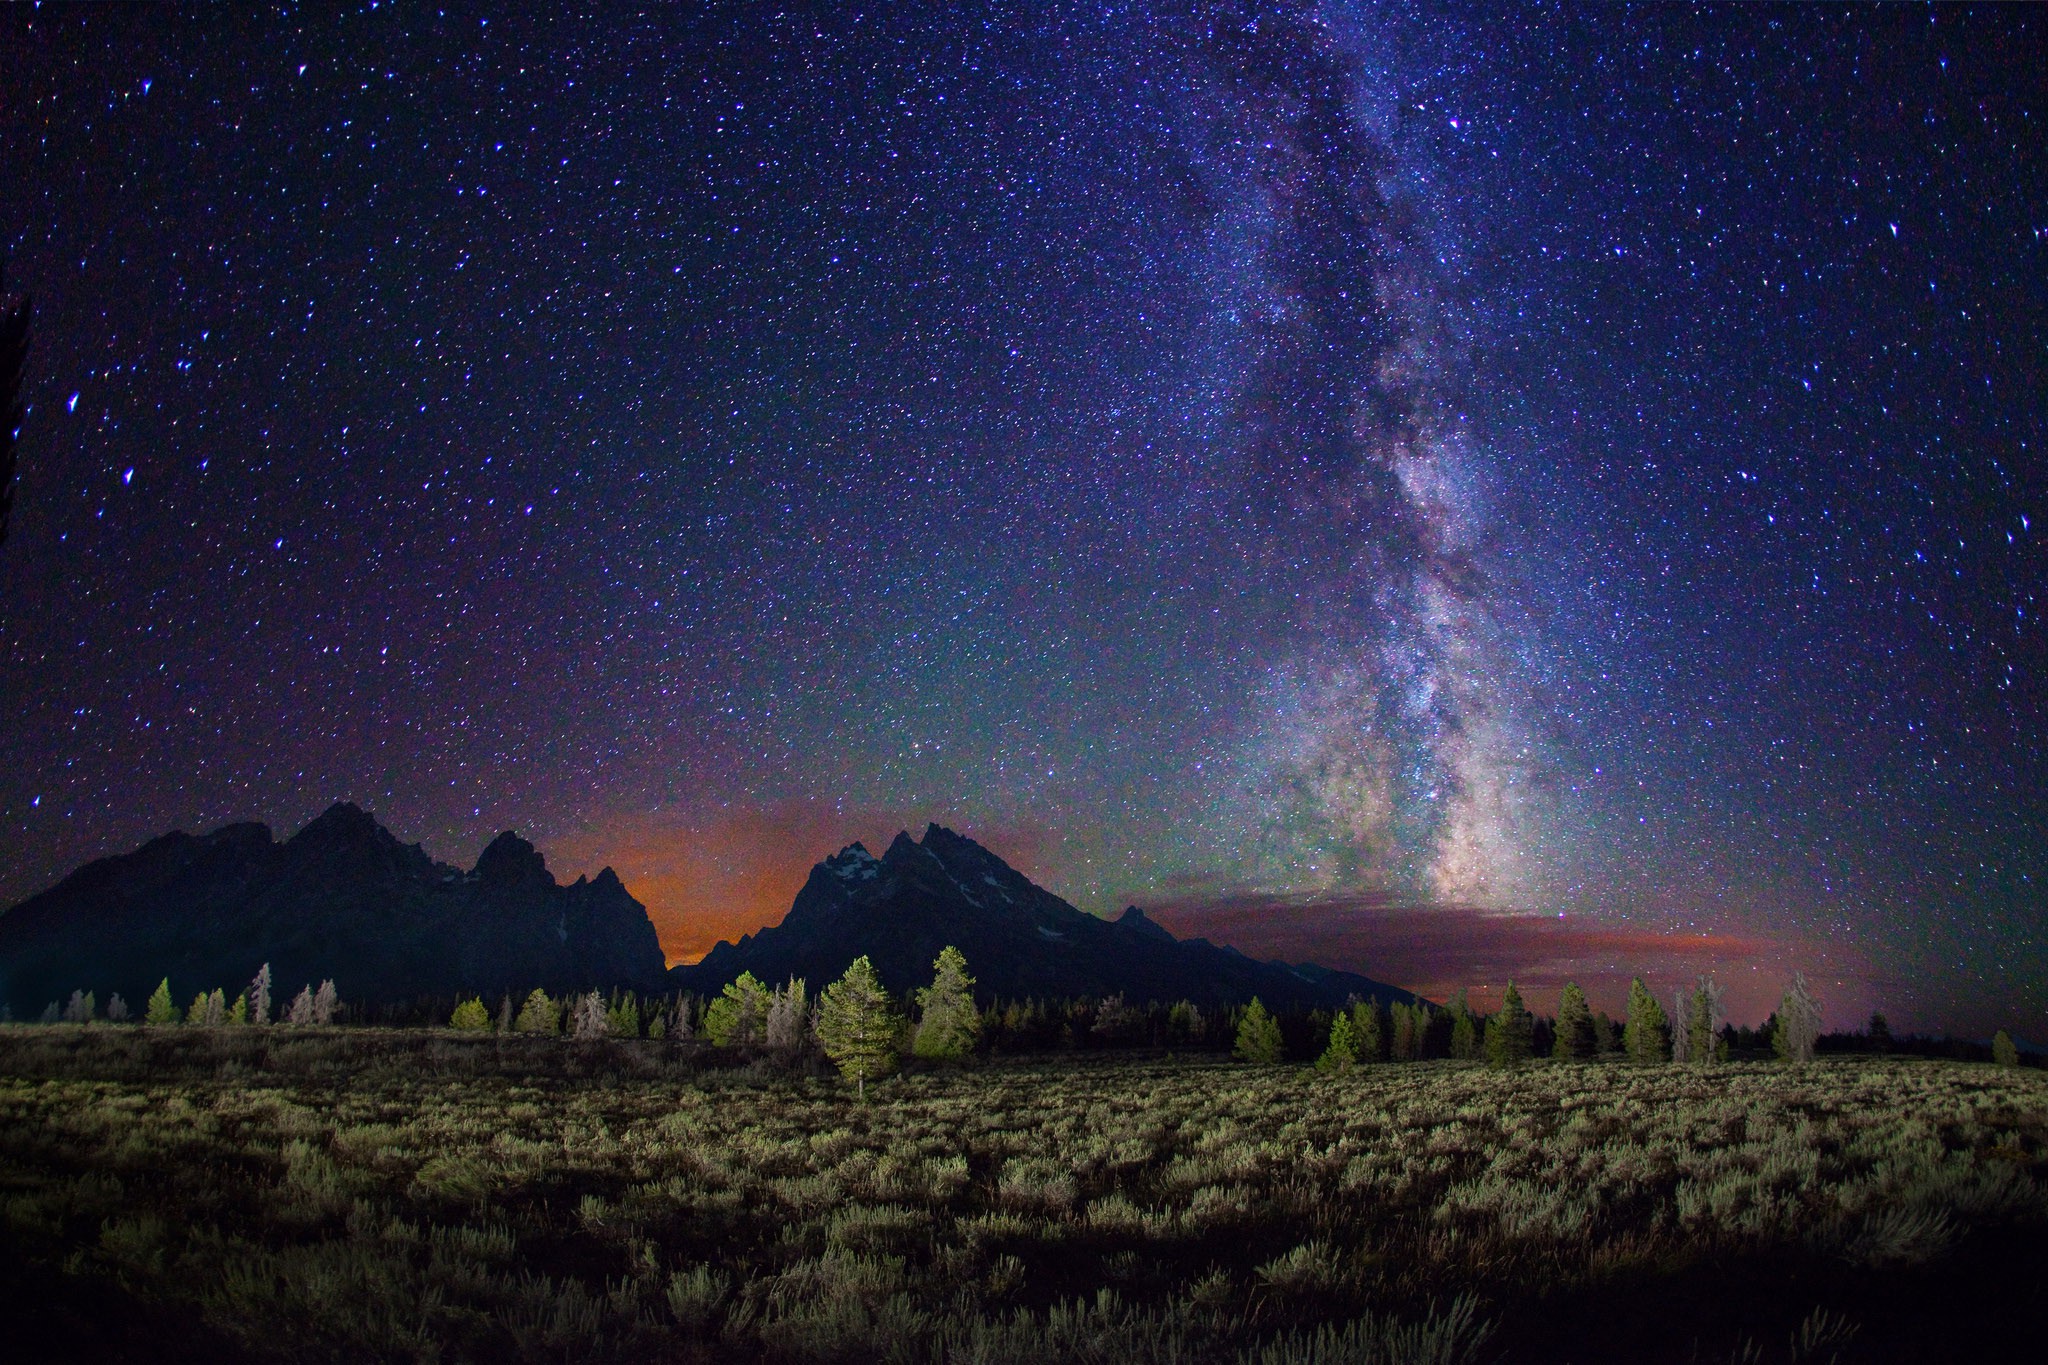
(1020, 940)
(341, 898)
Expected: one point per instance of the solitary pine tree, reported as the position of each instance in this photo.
(1574, 1039)
(1510, 1034)
(160, 1010)
(1646, 1037)
(470, 1017)
(1342, 1052)
(949, 1024)
(739, 1016)
(1366, 1027)
(857, 1025)
(1258, 1035)
(2003, 1052)
(1798, 1027)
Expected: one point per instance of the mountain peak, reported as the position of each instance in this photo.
(1136, 919)
(511, 860)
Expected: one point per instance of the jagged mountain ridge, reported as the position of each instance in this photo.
(342, 898)
(1020, 939)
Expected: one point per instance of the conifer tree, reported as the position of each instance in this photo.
(117, 1009)
(1342, 1053)
(259, 996)
(1575, 1039)
(590, 1021)
(238, 1013)
(300, 1013)
(1464, 1031)
(326, 1003)
(537, 1015)
(1510, 1033)
(1403, 1041)
(950, 1025)
(1606, 1038)
(1365, 1026)
(857, 1025)
(739, 1017)
(505, 1013)
(623, 1018)
(470, 1017)
(1258, 1035)
(1798, 1027)
(1880, 1034)
(160, 1010)
(2003, 1051)
(80, 1008)
(1646, 1037)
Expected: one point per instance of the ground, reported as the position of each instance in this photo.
(357, 1194)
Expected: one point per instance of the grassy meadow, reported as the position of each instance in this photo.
(420, 1195)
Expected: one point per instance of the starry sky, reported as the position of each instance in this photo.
(1457, 497)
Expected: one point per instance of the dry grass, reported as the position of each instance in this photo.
(380, 1195)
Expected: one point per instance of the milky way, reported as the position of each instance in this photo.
(1310, 466)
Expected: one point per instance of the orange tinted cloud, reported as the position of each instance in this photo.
(1438, 950)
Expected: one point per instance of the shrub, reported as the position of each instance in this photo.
(1258, 1035)
(470, 1016)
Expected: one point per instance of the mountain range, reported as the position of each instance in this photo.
(343, 898)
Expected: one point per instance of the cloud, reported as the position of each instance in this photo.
(1437, 950)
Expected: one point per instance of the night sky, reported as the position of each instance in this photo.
(1557, 496)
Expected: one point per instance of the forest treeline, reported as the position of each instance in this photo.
(865, 1031)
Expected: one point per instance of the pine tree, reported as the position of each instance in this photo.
(1464, 1031)
(505, 1013)
(117, 1009)
(623, 1018)
(1704, 1017)
(238, 1013)
(1606, 1037)
(80, 1008)
(739, 1017)
(1880, 1034)
(1342, 1053)
(470, 1017)
(1365, 1026)
(1798, 1027)
(2003, 1051)
(1681, 1026)
(950, 1025)
(1575, 1038)
(590, 1021)
(1258, 1035)
(259, 996)
(857, 1025)
(537, 1015)
(326, 1003)
(300, 1012)
(1646, 1037)
(1403, 1048)
(1510, 1033)
(160, 1010)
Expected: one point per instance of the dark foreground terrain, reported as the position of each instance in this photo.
(219, 1195)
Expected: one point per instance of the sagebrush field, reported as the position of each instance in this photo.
(415, 1195)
